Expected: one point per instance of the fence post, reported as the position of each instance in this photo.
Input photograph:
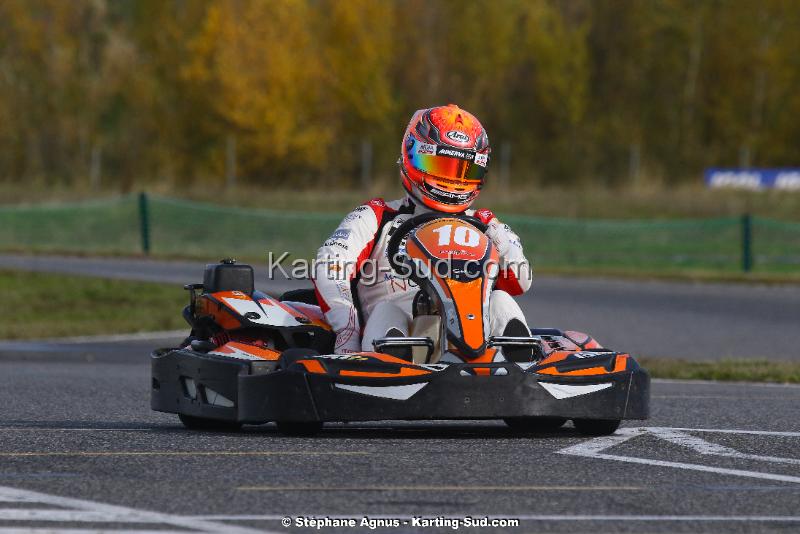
(747, 243)
(144, 223)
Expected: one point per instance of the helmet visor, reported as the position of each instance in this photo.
(446, 162)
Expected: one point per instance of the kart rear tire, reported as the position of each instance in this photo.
(596, 427)
(535, 424)
(299, 428)
(201, 423)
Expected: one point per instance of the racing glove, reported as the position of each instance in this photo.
(515, 275)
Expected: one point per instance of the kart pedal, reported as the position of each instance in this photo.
(404, 353)
(518, 354)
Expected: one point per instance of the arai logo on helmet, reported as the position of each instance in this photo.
(458, 137)
(425, 148)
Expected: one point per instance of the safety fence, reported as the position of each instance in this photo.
(169, 227)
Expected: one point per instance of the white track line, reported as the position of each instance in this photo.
(696, 467)
(96, 510)
(594, 446)
(704, 447)
(593, 449)
(732, 431)
(73, 516)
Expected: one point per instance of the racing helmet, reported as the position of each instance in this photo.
(444, 157)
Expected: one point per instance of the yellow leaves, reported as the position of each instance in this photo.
(357, 46)
(163, 85)
(198, 68)
(559, 56)
(257, 57)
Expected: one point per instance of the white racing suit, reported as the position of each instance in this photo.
(353, 295)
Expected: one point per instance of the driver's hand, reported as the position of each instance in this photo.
(506, 241)
(347, 342)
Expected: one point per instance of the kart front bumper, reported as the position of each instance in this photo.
(202, 385)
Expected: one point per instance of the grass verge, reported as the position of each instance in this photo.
(525, 197)
(727, 370)
(39, 305)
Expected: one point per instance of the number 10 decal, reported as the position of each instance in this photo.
(464, 236)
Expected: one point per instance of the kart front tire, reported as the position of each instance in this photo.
(534, 424)
(596, 427)
(299, 428)
(201, 423)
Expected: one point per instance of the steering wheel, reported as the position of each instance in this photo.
(404, 229)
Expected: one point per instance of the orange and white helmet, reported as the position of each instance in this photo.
(444, 158)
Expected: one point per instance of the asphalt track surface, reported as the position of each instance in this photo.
(646, 318)
(81, 451)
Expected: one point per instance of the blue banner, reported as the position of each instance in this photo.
(754, 179)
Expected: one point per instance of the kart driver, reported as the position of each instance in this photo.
(444, 156)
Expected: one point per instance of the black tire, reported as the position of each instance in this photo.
(596, 427)
(289, 356)
(299, 428)
(215, 425)
(535, 424)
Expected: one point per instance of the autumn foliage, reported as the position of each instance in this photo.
(580, 90)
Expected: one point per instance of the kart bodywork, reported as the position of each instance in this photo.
(252, 359)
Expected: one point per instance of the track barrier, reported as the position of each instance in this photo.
(168, 227)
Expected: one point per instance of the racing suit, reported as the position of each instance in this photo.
(384, 299)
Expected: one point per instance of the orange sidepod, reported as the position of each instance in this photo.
(578, 372)
(217, 311)
(312, 366)
(234, 347)
(554, 357)
(404, 371)
(388, 358)
(620, 364)
(299, 310)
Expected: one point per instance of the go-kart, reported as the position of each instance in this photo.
(252, 359)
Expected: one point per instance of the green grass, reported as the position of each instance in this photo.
(727, 370)
(37, 305)
(530, 199)
(653, 232)
(180, 228)
(524, 198)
